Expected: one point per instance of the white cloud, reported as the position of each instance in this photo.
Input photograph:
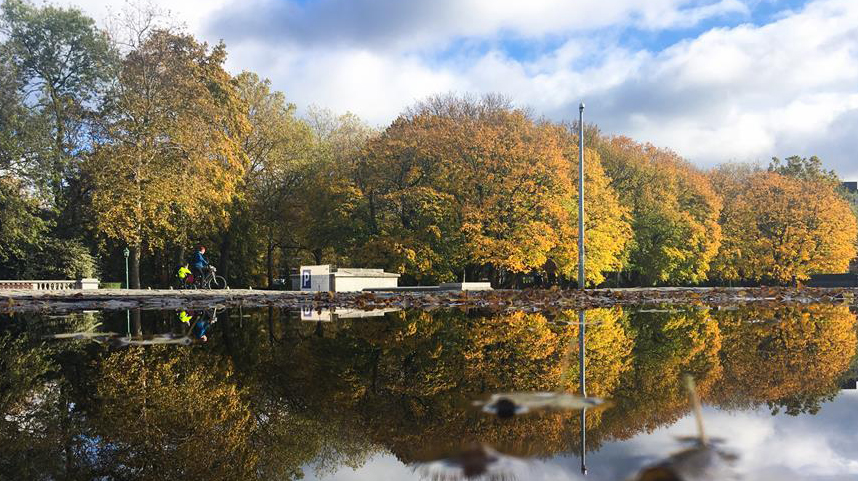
(397, 25)
(788, 448)
(804, 447)
(746, 92)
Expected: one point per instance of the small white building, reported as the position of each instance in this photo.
(308, 313)
(344, 279)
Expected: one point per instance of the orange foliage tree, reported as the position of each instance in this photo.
(456, 183)
(784, 356)
(782, 228)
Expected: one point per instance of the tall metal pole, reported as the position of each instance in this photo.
(583, 383)
(581, 196)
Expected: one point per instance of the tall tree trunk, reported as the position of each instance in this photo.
(135, 322)
(270, 262)
(180, 255)
(134, 267)
(317, 255)
(164, 268)
(225, 254)
(271, 338)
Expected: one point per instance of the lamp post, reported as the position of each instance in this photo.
(126, 252)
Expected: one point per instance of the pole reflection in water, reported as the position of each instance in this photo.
(582, 327)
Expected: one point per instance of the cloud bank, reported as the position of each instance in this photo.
(715, 80)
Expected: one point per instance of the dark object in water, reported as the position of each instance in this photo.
(505, 408)
(507, 405)
(475, 461)
(702, 462)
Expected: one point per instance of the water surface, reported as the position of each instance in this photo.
(352, 395)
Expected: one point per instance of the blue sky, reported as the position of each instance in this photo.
(715, 80)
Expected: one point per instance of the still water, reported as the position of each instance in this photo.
(352, 395)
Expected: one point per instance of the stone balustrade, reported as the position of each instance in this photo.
(50, 285)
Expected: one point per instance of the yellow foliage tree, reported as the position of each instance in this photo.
(171, 158)
(169, 414)
(607, 347)
(607, 228)
(674, 211)
(782, 228)
(457, 183)
(784, 356)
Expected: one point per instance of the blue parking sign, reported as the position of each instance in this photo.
(305, 279)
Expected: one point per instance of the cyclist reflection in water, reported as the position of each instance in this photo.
(203, 324)
(185, 317)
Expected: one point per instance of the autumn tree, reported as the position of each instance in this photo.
(673, 207)
(811, 169)
(668, 343)
(460, 184)
(172, 157)
(607, 350)
(782, 228)
(786, 357)
(278, 146)
(607, 229)
(171, 414)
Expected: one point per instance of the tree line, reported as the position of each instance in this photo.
(138, 137)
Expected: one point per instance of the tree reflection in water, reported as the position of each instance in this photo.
(270, 395)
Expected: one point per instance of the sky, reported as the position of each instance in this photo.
(807, 447)
(714, 80)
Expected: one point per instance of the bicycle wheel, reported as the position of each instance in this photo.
(217, 282)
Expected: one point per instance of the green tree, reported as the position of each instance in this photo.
(803, 168)
(21, 228)
(63, 62)
(332, 219)
(673, 207)
(278, 146)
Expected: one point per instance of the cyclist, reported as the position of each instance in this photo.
(183, 274)
(200, 263)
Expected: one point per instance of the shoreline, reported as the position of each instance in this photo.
(12, 301)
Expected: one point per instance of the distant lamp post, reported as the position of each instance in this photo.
(581, 196)
(127, 253)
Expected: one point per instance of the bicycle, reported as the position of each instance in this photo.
(209, 280)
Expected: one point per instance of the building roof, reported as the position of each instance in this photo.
(357, 272)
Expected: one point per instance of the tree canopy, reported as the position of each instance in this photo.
(141, 138)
